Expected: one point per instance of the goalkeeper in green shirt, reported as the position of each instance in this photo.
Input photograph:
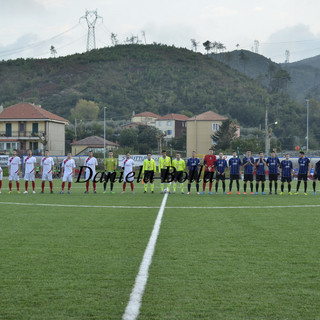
(110, 166)
(164, 164)
(180, 166)
(149, 169)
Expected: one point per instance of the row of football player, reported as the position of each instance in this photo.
(149, 168)
(220, 166)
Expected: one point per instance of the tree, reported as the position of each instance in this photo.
(53, 51)
(280, 81)
(128, 138)
(147, 138)
(194, 44)
(244, 59)
(85, 110)
(225, 135)
(207, 46)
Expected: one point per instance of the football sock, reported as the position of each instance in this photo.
(181, 186)
(204, 186)
(69, 186)
(197, 186)
(145, 187)
(313, 184)
(223, 186)
(168, 186)
(104, 186)
(238, 185)
(10, 185)
(210, 186)
(262, 187)
(305, 186)
(245, 187)
(42, 186)
(270, 186)
(162, 186)
(257, 187)
(0, 184)
(51, 185)
(275, 186)
(230, 185)
(111, 186)
(298, 185)
(251, 186)
(26, 185)
(216, 186)
(87, 186)
(282, 187)
(62, 185)
(124, 186)
(94, 186)
(132, 186)
(33, 185)
(18, 185)
(174, 187)
(152, 186)
(289, 187)
(189, 187)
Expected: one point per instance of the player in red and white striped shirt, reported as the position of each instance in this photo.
(14, 165)
(90, 162)
(67, 171)
(46, 170)
(29, 171)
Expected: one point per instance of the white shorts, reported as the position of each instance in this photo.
(127, 177)
(67, 177)
(47, 176)
(88, 174)
(29, 176)
(14, 177)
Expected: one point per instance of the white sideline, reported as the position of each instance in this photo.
(133, 307)
(151, 207)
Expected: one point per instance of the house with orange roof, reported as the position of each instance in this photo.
(173, 125)
(199, 131)
(148, 118)
(26, 126)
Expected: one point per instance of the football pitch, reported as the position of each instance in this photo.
(219, 256)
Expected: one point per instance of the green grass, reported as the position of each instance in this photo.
(211, 263)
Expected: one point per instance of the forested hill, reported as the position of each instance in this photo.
(155, 78)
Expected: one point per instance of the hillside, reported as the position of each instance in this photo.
(305, 74)
(156, 78)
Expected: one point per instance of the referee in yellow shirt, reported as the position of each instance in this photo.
(180, 165)
(164, 163)
(149, 169)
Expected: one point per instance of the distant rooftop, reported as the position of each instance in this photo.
(209, 116)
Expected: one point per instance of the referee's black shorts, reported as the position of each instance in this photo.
(149, 176)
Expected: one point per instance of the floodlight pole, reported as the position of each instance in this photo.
(104, 134)
(266, 150)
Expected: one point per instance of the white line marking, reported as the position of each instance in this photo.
(133, 307)
(151, 207)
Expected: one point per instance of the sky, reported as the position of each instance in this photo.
(28, 28)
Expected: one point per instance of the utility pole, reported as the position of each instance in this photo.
(266, 151)
(91, 18)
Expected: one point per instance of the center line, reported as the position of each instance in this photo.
(134, 304)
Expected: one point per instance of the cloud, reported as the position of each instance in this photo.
(298, 39)
(212, 11)
(21, 7)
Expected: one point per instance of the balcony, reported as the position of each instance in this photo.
(21, 135)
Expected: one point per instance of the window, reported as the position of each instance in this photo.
(2, 144)
(35, 128)
(34, 145)
(215, 127)
(168, 123)
(169, 132)
(159, 123)
(21, 126)
(8, 130)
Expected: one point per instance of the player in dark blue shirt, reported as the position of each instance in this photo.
(248, 165)
(304, 171)
(221, 167)
(273, 163)
(286, 172)
(234, 165)
(316, 176)
(261, 173)
(193, 164)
